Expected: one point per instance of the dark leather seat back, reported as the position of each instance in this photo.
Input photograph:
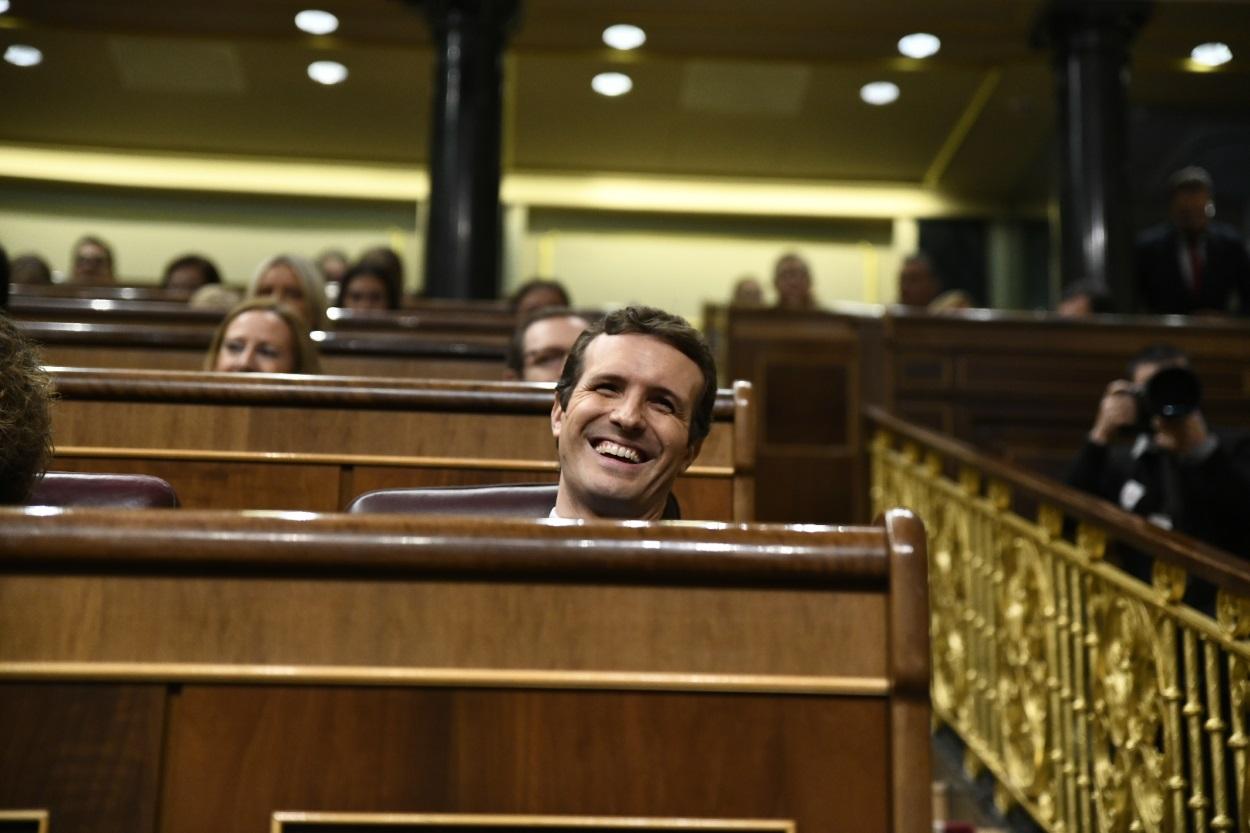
(115, 491)
(509, 500)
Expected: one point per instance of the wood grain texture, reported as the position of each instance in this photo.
(92, 752)
(601, 753)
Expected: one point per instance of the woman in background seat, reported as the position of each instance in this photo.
(262, 335)
(292, 280)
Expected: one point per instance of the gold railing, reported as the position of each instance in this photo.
(1099, 702)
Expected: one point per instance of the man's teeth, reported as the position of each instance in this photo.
(619, 451)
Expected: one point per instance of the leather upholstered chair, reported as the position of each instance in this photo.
(508, 500)
(114, 491)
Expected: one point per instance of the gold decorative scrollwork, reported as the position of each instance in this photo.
(1128, 669)
(1233, 614)
(948, 602)
(1168, 581)
(1025, 604)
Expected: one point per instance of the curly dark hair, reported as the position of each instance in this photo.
(649, 321)
(25, 415)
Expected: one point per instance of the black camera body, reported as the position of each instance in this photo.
(1172, 393)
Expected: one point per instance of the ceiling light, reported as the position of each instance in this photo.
(316, 22)
(4, 6)
(1211, 54)
(879, 92)
(624, 36)
(21, 55)
(327, 72)
(919, 45)
(611, 83)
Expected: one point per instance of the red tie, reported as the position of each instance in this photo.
(1195, 267)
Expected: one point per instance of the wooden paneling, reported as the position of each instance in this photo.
(428, 665)
(92, 752)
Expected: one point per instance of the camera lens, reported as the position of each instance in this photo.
(1173, 392)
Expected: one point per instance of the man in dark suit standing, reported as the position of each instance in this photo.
(1190, 264)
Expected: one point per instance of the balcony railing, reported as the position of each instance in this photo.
(1100, 701)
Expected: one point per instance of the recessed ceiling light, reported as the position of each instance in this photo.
(316, 22)
(879, 92)
(919, 45)
(624, 36)
(4, 6)
(1211, 54)
(611, 83)
(327, 72)
(21, 55)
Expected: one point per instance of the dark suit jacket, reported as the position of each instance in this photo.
(1161, 285)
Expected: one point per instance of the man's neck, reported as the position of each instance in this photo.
(569, 508)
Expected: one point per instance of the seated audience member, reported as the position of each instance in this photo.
(541, 343)
(747, 293)
(262, 335)
(333, 265)
(30, 269)
(25, 415)
(536, 294)
(1190, 264)
(91, 262)
(632, 407)
(386, 259)
(1176, 472)
(918, 283)
(368, 288)
(189, 273)
(1082, 299)
(792, 278)
(215, 296)
(292, 280)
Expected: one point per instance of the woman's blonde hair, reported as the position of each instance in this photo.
(309, 278)
(306, 358)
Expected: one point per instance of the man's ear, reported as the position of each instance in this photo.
(557, 418)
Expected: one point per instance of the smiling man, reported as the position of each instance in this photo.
(632, 408)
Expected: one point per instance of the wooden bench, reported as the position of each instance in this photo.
(1022, 386)
(241, 441)
(182, 671)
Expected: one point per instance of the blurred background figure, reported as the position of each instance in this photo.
(189, 273)
(792, 279)
(1189, 263)
(1082, 299)
(292, 280)
(365, 287)
(91, 262)
(541, 343)
(215, 296)
(747, 293)
(30, 269)
(536, 294)
(262, 335)
(918, 283)
(333, 264)
(389, 262)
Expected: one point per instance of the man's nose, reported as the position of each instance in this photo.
(628, 412)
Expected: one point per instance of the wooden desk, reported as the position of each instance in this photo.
(181, 671)
(258, 441)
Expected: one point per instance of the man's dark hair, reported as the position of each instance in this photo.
(533, 285)
(25, 415)
(376, 268)
(387, 260)
(516, 345)
(206, 267)
(1157, 354)
(670, 329)
(1191, 178)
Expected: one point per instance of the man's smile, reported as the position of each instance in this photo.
(619, 451)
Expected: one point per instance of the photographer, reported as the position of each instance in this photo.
(1176, 473)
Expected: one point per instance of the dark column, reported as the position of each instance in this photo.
(1090, 40)
(462, 239)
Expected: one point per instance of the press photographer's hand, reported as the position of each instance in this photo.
(1117, 410)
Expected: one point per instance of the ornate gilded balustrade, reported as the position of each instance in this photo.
(1100, 702)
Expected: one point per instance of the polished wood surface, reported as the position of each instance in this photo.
(257, 441)
(300, 822)
(1021, 386)
(383, 664)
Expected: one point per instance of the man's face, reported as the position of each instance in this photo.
(546, 344)
(92, 265)
(1191, 209)
(624, 438)
(916, 285)
(793, 282)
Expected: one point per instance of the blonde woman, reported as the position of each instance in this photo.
(262, 336)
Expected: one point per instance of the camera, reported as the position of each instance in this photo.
(1172, 393)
